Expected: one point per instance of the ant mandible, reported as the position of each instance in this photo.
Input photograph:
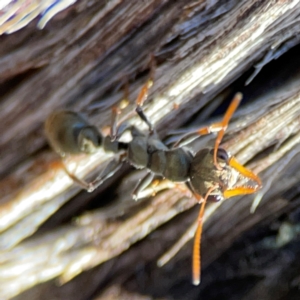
(212, 174)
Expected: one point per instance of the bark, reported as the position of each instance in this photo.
(104, 245)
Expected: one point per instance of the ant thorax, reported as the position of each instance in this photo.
(149, 152)
(142, 150)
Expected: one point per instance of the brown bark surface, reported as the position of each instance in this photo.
(58, 242)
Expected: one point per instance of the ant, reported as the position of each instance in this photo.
(212, 174)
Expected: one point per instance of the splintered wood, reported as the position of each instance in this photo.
(200, 47)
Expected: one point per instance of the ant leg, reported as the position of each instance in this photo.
(114, 123)
(192, 135)
(143, 95)
(158, 185)
(197, 239)
(83, 184)
(112, 168)
(219, 127)
(244, 171)
(116, 131)
(190, 187)
(139, 110)
(144, 118)
(141, 98)
(143, 183)
(116, 110)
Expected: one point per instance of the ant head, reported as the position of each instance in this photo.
(204, 174)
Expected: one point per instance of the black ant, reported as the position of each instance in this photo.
(212, 174)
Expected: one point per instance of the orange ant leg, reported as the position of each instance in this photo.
(244, 171)
(116, 111)
(143, 95)
(116, 125)
(191, 136)
(114, 121)
(219, 127)
(228, 114)
(197, 239)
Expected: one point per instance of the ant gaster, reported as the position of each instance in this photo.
(212, 174)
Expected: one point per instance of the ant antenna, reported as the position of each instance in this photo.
(228, 114)
(197, 239)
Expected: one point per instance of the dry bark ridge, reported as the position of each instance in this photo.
(78, 60)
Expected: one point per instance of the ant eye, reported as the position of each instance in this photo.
(222, 154)
(214, 198)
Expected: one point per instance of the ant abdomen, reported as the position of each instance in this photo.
(69, 132)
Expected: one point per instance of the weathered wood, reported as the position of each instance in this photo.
(86, 56)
